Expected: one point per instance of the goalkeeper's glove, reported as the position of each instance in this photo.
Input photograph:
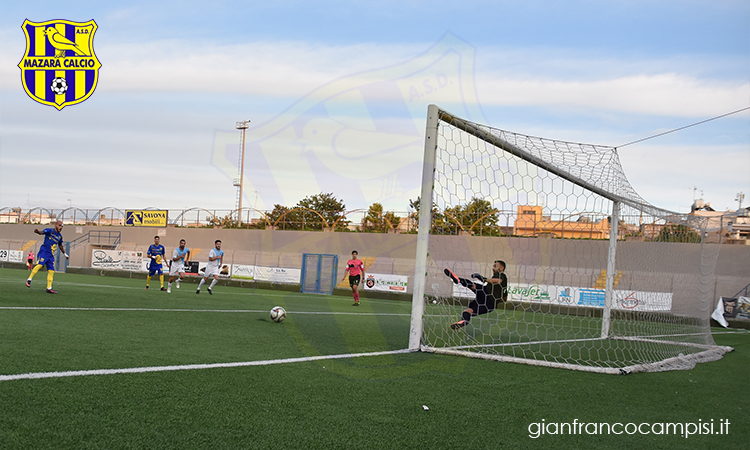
(477, 276)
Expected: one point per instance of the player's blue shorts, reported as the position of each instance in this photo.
(153, 269)
(46, 259)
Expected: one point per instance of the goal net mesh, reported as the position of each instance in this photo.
(579, 296)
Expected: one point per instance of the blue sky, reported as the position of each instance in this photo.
(176, 76)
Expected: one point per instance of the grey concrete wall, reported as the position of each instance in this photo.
(658, 266)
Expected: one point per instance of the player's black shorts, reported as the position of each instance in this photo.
(354, 280)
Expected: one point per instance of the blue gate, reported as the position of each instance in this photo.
(319, 273)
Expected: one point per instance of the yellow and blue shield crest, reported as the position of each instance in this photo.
(59, 67)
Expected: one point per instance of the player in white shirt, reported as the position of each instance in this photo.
(215, 260)
(179, 255)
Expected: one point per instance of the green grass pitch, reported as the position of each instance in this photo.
(100, 323)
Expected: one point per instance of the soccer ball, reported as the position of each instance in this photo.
(59, 85)
(278, 314)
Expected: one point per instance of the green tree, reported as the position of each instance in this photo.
(289, 220)
(478, 216)
(327, 206)
(438, 218)
(378, 221)
(678, 233)
(482, 213)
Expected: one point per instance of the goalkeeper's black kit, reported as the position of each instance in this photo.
(489, 294)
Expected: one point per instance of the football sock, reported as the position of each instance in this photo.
(200, 285)
(466, 315)
(169, 285)
(50, 275)
(36, 269)
(161, 280)
(148, 280)
(356, 296)
(213, 283)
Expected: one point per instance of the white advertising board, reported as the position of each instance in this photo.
(243, 272)
(224, 271)
(11, 255)
(118, 259)
(277, 274)
(385, 282)
(575, 296)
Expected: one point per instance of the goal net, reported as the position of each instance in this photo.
(598, 279)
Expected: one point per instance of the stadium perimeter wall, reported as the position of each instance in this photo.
(566, 262)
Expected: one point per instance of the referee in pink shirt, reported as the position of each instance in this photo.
(356, 270)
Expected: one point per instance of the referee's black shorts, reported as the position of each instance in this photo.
(354, 280)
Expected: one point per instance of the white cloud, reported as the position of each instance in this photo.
(665, 174)
(663, 94)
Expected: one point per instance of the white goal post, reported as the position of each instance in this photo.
(598, 279)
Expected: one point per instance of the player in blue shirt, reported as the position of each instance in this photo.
(46, 257)
(156, 252)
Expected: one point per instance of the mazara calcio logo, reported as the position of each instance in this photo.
(59, 67)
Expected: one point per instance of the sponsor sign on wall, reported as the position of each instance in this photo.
(277, 274)
(224, 271)
(11, 255)
(385, 282)
(243, 272)
(575, 296)
(146, 218)
(119, 259)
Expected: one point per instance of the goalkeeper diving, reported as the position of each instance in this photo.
(488, 292)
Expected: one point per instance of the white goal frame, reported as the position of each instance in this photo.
(624, 196)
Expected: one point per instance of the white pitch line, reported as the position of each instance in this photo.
(81, 373)
(265, 293)
(65, 308)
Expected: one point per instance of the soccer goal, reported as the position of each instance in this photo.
(598, 279)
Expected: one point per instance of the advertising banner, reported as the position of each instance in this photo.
(243, 272)
(11, 255)
(119, 259)
(15, 256)
(106, 259)
(192, 268)
(134, 261)
(385, 282)
(576, 296)
(277, 274)
(224, 271)
(146, 218)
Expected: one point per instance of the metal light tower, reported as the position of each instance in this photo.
(243, 127)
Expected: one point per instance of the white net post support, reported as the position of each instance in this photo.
(611, 255)
(423, 235)
(599, 279)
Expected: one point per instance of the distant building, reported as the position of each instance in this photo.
(531, 222)
(733, 226)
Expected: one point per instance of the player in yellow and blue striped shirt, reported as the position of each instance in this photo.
(156, 252)
(46, 257)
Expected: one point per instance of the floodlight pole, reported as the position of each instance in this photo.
(241, 126)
